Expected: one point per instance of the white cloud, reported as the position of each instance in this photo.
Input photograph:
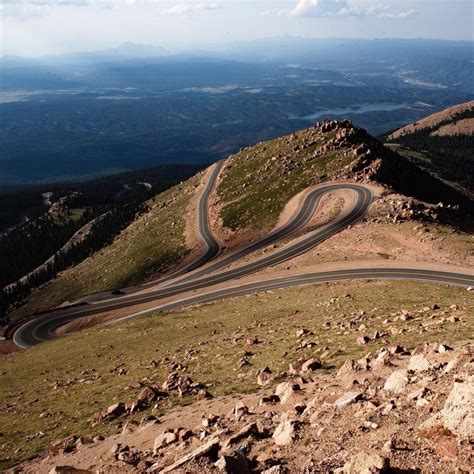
(344, 8)
(187, 8)
(318, 7)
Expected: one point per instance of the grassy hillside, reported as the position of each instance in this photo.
(254, 187)
(46, 394)
(258, 181)
(149, 246)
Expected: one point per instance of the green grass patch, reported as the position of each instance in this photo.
(261, 180)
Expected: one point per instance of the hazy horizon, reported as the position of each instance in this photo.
(217, 47)
(34, 28)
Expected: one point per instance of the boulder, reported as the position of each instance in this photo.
(184, 434)
(362, 340)
(130, 426)
(116, 409)
(286, 390)
(285, 432)
(397, 381)
(250, 429)
(164, 440)
(264, 376)
(240, 410)
(458, 411)
(348, 399)
(65, 445)
(269, 400)
(147, 396)
(365, 463)
(349, 368)
(295, 367)
(419, 363)
(233, 464)
(203, 395)
(210, 448)
(311, 365)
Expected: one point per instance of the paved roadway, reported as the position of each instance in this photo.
(42, 329)
(203, 228)
(43, 326)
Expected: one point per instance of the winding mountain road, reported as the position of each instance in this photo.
(212, 246)
(199, 276)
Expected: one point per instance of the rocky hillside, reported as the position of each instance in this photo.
(393, 410)
(181, 377)
(443, 144)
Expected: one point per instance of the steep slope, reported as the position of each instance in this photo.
(442, 143)
(127, 381)
(48, 395)
(254, 187)
(151, 245)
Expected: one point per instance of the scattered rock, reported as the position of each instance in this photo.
(311, 365)
(286, 391)
(348, 399)
(247, 430)
(116, 409)
(203, 394)
(363, 340)
(419, 363)
(240, 411)
(264, 376)
(163, 440)
(458, 411)
(147, 396)
(269, 400)
(233, 464)
(210, 448)
(349, 368)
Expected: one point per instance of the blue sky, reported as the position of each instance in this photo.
(37, 27)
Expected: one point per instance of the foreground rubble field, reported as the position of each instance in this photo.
(295, 380)
(394, 410)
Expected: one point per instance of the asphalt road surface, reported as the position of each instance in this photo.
(203, 228)
(43, 327)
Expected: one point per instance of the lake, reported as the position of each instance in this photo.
(359, 109)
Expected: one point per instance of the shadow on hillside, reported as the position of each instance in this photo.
(408, 179)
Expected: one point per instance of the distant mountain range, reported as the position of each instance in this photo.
(126, 50)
